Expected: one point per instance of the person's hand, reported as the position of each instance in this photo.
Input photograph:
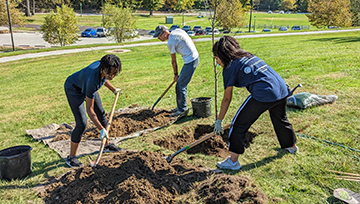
(103, 134)
(218, 128)
(117, 90)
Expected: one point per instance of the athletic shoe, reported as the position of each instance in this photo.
(179, 114)
(72, 161)
(111, 148)
(174, 110)
(292, 150)
(228, 164)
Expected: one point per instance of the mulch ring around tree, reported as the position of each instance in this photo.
(215, 145)
(146, 177)
(123, 123)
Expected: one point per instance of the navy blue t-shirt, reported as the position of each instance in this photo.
(88, 79)
(264, 84)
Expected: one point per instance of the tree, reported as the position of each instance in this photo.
(17, 18)
(355, 9)
(327, 13)
(60, 27)
(302, 5)
(153, 5)
(231, 14)
(119, 21)
(288, 5)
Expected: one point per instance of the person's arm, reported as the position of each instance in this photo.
(175, 67)
(225, 102)
(91, 113)
(109, 86)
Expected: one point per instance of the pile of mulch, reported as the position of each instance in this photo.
(146, 177)
(215, 145)
(123, 124)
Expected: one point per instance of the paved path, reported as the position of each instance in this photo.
(59, 52)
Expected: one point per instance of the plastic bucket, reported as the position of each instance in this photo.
(201, 107)
(15, 162)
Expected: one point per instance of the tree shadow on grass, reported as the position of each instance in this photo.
(339, 40)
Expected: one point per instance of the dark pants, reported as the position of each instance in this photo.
(249, 112)
(76, 101)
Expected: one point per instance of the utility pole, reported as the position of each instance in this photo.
(12, 38)
(251, 2)
(254, 23)
(102, 6)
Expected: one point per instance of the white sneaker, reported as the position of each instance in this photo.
(228, 164)
(292, 150)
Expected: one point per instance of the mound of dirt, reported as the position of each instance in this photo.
(215, 145)
(123, 124)
(146, 177)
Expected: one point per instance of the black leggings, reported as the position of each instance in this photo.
(76, 101)
(249, 112)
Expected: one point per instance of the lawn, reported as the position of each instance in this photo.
(32, 96)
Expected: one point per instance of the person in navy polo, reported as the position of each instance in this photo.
(83, 86)
(268, 91)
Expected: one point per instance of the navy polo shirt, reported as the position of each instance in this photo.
(264, 84)
(88, 79)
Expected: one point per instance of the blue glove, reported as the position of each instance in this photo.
(218, 128)
(103, 134)
(117, 90)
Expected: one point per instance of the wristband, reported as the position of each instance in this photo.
(176, 74)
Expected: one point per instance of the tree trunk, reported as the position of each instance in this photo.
(33, 7)
(27, 9)
(151, 12)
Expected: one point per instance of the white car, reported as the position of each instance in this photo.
(191, 33)
(216, 32)
(100, 32)
(134, 33)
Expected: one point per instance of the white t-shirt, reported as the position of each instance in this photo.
(179, 41)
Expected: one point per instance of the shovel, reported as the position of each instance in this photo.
(170, 157)
(94, 163)
(172, 83)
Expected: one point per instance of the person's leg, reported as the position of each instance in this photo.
(76, 102)
(185, 76)
(283, 129)
(247, 114)
(100, 112)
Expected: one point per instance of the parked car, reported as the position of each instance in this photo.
(199, 32)
(207, 29)
(186, 28)
(283, 28)
(216, 32)
(288, 12)
(200, 16)
(266, 30)
(88, 32)
(196, 28)
(173, 27)
(152, 32)
(226, 32)
(100, 32)
(132, 33)
(281, 12)
(239, 31)
(296, 27)
(190, 33)
(269, 12)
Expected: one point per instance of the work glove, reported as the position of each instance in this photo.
(117, 90)
(103, 134)
(218, 128)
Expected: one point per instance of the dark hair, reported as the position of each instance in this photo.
(228, 49)
(108, 62)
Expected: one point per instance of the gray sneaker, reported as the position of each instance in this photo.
(72, 161)
(292, 150)
(174, 110)
(228, 164)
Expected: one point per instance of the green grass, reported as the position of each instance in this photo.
(32, 96)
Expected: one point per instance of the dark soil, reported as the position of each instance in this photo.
(122, 124)
(146, 177)
(215, 145)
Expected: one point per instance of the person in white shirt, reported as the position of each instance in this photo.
(180, 42)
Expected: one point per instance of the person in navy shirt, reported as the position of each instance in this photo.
(268, 91)
(83, 86)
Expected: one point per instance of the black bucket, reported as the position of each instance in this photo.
(201, 107)
(15, 162)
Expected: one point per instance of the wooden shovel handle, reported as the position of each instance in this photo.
(206, 137)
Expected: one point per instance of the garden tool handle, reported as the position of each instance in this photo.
(172, 83)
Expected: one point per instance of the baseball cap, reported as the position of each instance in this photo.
(159, 30)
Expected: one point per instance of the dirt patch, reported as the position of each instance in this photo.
(216, 145)
(146, 177)
(123, 124)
